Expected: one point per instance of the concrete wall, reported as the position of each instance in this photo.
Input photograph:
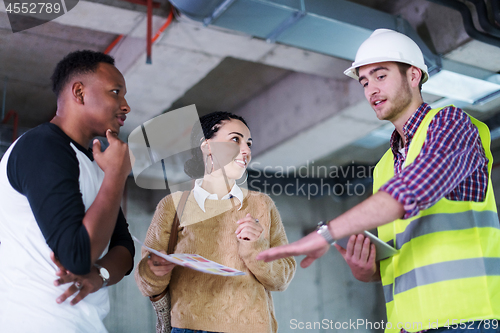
(325, 292)
(130, 311)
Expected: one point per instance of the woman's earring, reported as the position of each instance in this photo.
(206, 162)
(246, 177)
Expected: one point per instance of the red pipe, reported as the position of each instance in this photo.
(113, 44)
(150, 32)
(164, 26)
(150, 28)
(16, 120)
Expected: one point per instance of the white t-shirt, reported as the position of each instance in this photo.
(27, 274)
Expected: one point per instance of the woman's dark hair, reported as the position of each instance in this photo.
(210, 124)
(78, 62)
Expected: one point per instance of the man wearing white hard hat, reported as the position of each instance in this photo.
(433, 202)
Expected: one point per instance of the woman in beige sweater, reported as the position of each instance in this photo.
(230, 231)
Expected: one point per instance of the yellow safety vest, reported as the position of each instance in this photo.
(448, 266)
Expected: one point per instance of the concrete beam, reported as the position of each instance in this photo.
(304, 118)
(153, 88)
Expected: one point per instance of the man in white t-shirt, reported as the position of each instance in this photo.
(63, 235)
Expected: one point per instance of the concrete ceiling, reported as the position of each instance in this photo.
(299, 105)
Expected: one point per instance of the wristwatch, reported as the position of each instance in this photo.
(322, 229)
(104, 274)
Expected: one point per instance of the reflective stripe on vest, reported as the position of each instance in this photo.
(435, 223)
(448, 270)
(448, 266)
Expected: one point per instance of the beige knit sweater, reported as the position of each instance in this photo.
(200, 301)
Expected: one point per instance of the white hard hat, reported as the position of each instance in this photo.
(388, 45)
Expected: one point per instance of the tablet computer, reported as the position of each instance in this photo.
(382, 249)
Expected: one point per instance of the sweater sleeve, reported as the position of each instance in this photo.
(157, 238)
(275, 275)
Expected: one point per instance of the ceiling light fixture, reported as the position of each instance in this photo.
(461, 87)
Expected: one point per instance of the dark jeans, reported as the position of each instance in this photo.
(186, 330)
(485, 326)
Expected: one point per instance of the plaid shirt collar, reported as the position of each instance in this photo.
(409, 128)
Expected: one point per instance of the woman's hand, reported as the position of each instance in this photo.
(249, 228)
(158, 265)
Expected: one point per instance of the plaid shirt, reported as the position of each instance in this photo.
(451, 164)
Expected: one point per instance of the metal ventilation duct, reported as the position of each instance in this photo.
(332, 27)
